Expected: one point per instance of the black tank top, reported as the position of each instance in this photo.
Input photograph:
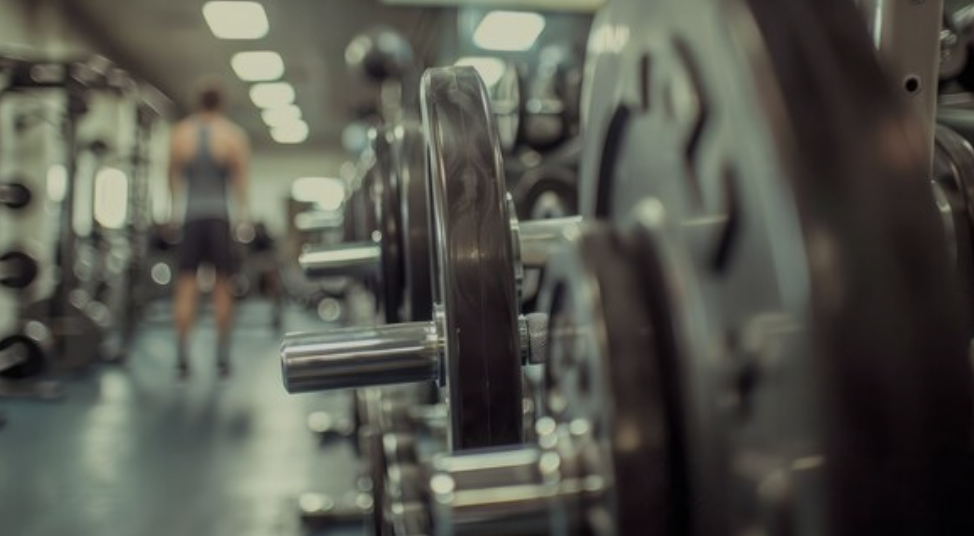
(206, 182)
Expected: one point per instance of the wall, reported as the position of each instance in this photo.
(39, 27)
(273, 171)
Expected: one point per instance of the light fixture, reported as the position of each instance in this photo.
(111, 198)
(290, 133)
(236, 20)
(489, 68)
(281, 114)
(272, 94)
(508, 30)
(258, 66)
(325, 192)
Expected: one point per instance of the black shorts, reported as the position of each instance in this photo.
(206, 242)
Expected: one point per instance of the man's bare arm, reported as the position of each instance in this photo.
(175, 171)
(241, 171)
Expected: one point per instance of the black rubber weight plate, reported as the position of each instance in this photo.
(415, 230)
(473, 273)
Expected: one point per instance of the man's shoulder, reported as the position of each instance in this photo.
(235, 129)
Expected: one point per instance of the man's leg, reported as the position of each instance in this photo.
(187, 290)
(185, 311)
(223, 291)
(223, 308)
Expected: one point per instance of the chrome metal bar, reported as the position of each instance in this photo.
(361, 357)
(538, 238)
(353, 259)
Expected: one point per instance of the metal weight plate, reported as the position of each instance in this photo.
(31, 346)
(824, 385)
(388, 221)
(508, 107)
(14, 195)
(415, 228)
(608, 379)
(954, 49)
(18, 270)
(77, 332)
(953, 175)
(955, 161)
(547, 191)
(473, 258)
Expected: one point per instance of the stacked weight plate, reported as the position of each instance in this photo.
(759, 327)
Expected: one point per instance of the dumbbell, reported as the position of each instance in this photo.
(398, 257)
(388, 246)
(476, 342)
(538, 111)
(765, 326)
(14, 195)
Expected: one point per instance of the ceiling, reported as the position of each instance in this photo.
(168, 44)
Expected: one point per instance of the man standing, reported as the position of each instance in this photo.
(209, 157)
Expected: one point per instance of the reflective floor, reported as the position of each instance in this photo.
(131, 451)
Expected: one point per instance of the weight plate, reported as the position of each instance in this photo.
(953, 173)
(607, 317)
(15, 195)
(547, 191)
(473, 259)
(19, 269)
(388, 219)
(508, 106)
(954, 49)
(955, 162)
(415, 234)
(823, 374)
(32, 346)
(77, 329)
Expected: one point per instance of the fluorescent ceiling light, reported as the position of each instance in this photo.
(289, 133)
(272, 94)
(236, 20)
(258, 66)
(490, 69)
(508, 30)
(282, 114)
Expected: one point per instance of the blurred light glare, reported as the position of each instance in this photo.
(111, 198)
(272, 94)
(508, 30)
(282, 114)
(290, 133)
(326, 192)
(258, 65)
(57, 183)
(236, 20)
(489, 68)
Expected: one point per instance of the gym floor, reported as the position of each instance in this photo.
(131, 451)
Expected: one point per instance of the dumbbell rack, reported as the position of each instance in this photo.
(64, 333)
